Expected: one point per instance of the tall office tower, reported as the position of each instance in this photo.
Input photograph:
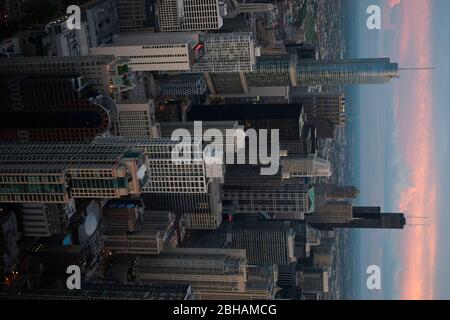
(288, 202)
(155, 232)
(260, 286)
(311, 166)
(13, 10)
(266, 242)
(360, 218)
(122, 215)
(206, 270)
(200, 210)
(186, 15)
(333, 212)
(136, 15)
(181, 188)
(99, 70)
(287, 70)
(372, 218)
(247, 175)
(237, 8)
(167, 128)
(53, 108)
(164, 173)
(109, 291)
(136, 119)
(335, 192)
(227, 53)
(305, 239)
(323, 255)
(62, 41)
(45, 219)
(266, 95)
(8, 242)
(155, 51)
(322, 105)
(182, 85)
(312, 280)
(304, 51)
(303, 147)
(288, 119)
(56, 172)
(101, 19)
(286, 276)
(57, 257)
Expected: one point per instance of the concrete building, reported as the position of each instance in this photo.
(266, 242)
(155, 51)
(185, 15)
(297, 167)
(227, 53)
(288, 202)
(136, 120)
(46, 219)
(136, 15)
(61, 41)
(206, 270)
(56, 172)
(182, 85)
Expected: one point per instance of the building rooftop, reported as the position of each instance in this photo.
(148, 38)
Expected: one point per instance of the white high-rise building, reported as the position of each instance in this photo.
(155, 51)
(189, 15)
(227, 53)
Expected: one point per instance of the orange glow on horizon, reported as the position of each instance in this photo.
(414, 120)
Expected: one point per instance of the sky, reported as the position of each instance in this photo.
(404, 148)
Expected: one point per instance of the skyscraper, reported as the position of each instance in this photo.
(288, 202)
(322, 105)
(206, 270)
(185, 15)
(343, 215)
(45, 172)
(136, 119)
(310, 166)
(147, 51)
(136, 15)
(53, 108)
(227, 53)
(182, 85)
(266, 242)
(287, 70)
